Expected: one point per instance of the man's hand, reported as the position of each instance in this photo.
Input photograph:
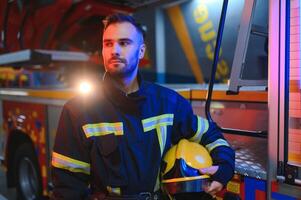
(215, 186)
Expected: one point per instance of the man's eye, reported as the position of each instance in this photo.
(108, 44)
(124, 43)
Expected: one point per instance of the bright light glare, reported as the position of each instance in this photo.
(85, 87)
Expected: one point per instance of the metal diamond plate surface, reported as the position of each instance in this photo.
(250, 156)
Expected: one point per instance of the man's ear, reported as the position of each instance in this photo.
(142, 51)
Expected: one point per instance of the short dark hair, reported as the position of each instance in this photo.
(119, 18)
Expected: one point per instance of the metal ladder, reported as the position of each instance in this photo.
(245, 30)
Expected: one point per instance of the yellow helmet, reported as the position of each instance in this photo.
(179, 170)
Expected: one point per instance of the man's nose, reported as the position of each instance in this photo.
(116, 49)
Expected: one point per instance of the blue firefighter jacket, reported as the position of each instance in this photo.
(112, 142)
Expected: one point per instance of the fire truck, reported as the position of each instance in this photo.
(259, 118)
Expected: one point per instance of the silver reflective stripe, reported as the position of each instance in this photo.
(100, 129)
(202, 127)
(116, 191)
(159, 123)
(70, 164)
(160, 120)
(162, 135)
(216, 143)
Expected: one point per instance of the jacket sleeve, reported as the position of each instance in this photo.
(197, 129)
(70, 160)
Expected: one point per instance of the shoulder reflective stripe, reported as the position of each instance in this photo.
(216, 143)
(161, 120)
(203, 126)
(100, 129)
(70, 164)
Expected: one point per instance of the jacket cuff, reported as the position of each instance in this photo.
(224, 174)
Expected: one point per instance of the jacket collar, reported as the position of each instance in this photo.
(119, 97)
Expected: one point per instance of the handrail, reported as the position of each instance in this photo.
(215, 60)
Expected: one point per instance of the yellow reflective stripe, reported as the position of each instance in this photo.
(160, 120)
(203, 126)
(70, 164)
(157, 186)
(162, 135)
(100, 129)
(114, 190)
(159, 123)
(216, 143)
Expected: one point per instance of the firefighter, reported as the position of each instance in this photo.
(110, 144)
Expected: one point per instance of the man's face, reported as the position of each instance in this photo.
(122, 49)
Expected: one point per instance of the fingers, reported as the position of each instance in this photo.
(214, 188)
(209, 171)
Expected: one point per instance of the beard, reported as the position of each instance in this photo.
(122, 71)
(129, 67)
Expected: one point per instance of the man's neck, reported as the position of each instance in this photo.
(128, 84)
